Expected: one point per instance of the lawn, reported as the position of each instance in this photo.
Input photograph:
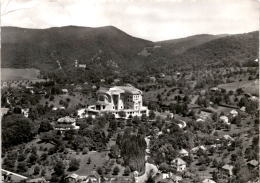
(8, 74)
(74, 100)
(248, 86)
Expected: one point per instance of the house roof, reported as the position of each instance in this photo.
(129, 89)
(227, 137)
(227, 167)
(95, 174)
(183, 151)
(208, 181)
(74, 176)
(179, 161)
(253, 162)
(67, 119)
(36, 180)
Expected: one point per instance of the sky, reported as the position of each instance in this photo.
(153, 20)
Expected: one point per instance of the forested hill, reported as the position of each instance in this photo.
(41, 48)
(225, 50)
(109, 49)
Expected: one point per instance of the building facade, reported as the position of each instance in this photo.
(120, 99)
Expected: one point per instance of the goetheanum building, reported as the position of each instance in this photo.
(119, 99)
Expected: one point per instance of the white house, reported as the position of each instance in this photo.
(178, 164)
(228, 137)
(234, 113)
(119, 99)
(64, 90)
(25, 112)
(195, 149)
(224, 119)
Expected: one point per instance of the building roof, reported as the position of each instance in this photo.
(228, 167)
(67, 119)
(253, 162)
(233, 112)
(120, 89)
(179, 161)
(208, 181)
(74, 176)
(228, 137)
(129, 89)
(183, 151)
(36, 180)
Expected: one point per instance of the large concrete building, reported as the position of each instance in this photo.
(119, 98)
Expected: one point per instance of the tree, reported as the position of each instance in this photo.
(152, 114)
(100, 170)
(89, 160)
(16, 129)
(74, 164)
(45, 126)
(36, 170)
(122, 114)
(116, 170)
(22, 167)
(114, 151)
(127, 171)
(59, 168)
(150, 177)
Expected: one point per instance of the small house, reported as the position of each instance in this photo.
(25, 112)
(162, 75)
(64, 91)
(152, 79)
(233, 113)
(224, 119)
(243, 109)
(252, 164)
(72, 178)
(179, 164)
(214, 89)
(183, 153)
(228, 138)
(82, 66)
(93, 177)
(195, 149)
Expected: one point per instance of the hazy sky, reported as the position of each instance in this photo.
(149, 19)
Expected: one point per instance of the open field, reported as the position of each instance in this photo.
(248, 86)
(74, 100)
(8, 74)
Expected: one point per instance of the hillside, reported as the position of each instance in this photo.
(222, 51)
(41, 48)
(178, 46)
(108, 49)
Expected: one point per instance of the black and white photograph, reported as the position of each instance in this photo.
(130, 91)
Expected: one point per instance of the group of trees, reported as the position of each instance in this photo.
(16, 129)
(132, 148)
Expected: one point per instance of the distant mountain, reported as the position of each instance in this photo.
(41, 48)
(178, 46)
(108, 49)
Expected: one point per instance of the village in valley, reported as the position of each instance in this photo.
(170, 127)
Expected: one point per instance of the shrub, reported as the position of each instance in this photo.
(74, 164)
(36, 170)
(116, 170)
